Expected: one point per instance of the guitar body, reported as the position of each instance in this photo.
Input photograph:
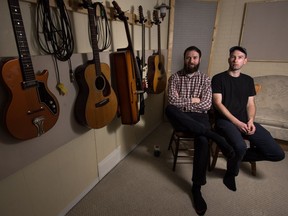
(122, 64)
(96, 102)
(30, 111)
(156, 74)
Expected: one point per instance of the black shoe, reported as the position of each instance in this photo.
(199, 203)
(229, 181)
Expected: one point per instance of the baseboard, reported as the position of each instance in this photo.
(78, 198)
(106, 165)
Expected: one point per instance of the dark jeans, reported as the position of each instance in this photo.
(263, 147)
(197, 123)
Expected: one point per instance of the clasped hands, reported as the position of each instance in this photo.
(248, 128)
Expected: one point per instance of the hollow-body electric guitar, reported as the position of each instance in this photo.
(31, 109)
(96, 102)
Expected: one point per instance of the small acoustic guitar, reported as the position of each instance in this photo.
(32, 109)
(96, 102)
(156, 74)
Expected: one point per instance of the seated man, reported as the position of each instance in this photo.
(190, 98)
(233, 99)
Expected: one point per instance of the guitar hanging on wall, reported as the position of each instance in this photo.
(96, 102)
(143, 65)
(128, 79)
(156, 74)
(32, 109)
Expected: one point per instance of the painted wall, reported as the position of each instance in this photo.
(60, 174)
(227, 34)
(55, 182)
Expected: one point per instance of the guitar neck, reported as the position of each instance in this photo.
(22, 45)
(92, 24)
(130, 47)
(143, 44)
(159, 39)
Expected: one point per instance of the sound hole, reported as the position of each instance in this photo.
(100, 83)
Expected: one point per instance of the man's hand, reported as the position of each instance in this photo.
(195, 100)
(250, 128)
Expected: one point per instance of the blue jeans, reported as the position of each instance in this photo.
(197, 123)
(264, 147)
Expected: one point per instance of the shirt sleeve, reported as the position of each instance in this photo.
(173, 93)
(205, 96)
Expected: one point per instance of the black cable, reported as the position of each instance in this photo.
(103, 27)
(54, 34)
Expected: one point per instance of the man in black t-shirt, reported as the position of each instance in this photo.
(233, 99)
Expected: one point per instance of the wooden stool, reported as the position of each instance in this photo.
(177, 138)
(217, 152)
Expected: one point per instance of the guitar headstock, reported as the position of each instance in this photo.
(87, 4)
(156, 19)
(120, 14)
(141, 20)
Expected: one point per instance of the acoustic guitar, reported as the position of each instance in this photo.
(156, 75)
(128, 80)
(96, 102)
(32, 109)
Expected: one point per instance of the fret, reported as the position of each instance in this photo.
(21, 41)
(95, 49)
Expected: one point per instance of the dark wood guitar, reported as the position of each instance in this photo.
(96, 102)
(31, 109)
(128, 79)
(156, 75)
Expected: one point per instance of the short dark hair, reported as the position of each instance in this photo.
(239, 48)
(193, 48)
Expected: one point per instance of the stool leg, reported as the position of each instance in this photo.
(171, 140)
(214, 157)
(253, 168)
(176, 152)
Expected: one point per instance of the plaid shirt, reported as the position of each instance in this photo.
(182, 88)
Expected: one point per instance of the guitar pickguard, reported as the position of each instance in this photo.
(46, 98)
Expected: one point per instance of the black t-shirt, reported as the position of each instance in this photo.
(235, 92)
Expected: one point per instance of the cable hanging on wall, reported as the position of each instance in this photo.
(54, 35)
(103, 27)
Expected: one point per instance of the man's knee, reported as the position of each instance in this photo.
(280, 156)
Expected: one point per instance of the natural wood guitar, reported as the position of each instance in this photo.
(156, 75)
(128, 79)
(32, 109)
(96, 102)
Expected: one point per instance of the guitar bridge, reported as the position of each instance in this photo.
(39, 123)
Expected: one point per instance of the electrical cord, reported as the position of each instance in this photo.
(54, 35)
(103, 27)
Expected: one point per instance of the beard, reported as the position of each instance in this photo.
(191, 68)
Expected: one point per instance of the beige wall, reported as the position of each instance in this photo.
(227, 34)
(53, 183)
